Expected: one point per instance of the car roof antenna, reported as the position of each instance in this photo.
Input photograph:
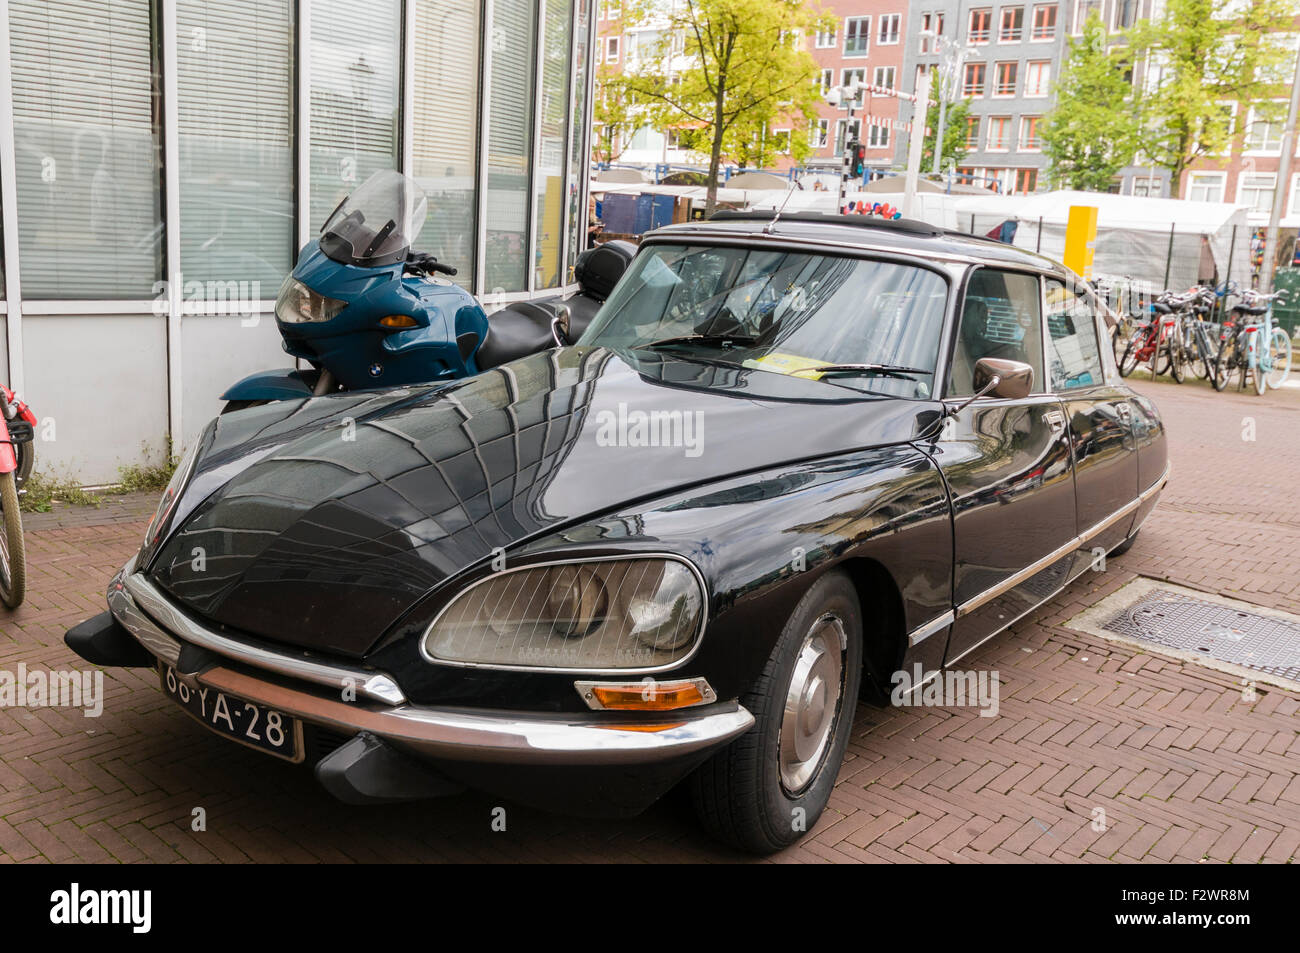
(771, 226)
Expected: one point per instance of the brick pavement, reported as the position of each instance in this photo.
(1183, 766)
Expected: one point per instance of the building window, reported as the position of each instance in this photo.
(1006, 79)
(445, 127)
(1125, 13)
(1038, 77)
(1030, 140)
(888, 28)
(87, 177)
(1255, 189)
(1083, 10)
(825, 80)
(781, 141)
(1013, 25)
(1294, 208)
(931, 27)
(884, 76)
(613, 9)
(999, 134)
(824, 40)
(1263, 135)
(973, 81)
(819, 133)
(981, 22)
(1206, 186)
(849, 78)
(1044, 22)
(236, 124)
(845, 130)
(857, 36)
(509, 145)
(611, 49)
(878, 137)
(1026, 180)
(972, 133)
(1147, 186)
(551, 116)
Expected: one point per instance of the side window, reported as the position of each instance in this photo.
(1001, 317)
(1072, 333)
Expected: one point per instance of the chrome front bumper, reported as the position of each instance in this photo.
(315, 693)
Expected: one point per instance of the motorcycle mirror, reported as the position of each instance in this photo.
(560, 325)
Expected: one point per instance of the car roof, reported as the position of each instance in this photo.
(864, 232)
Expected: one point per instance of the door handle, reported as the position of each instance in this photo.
(1055, 420)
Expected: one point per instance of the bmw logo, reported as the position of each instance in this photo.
(376, 370)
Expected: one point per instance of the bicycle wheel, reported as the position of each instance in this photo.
(1174, 356)
(1279, 353)
(1255, 361)
(1129, 362)
(13, 554)
(1223, 363)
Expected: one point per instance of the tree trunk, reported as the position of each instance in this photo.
(715, 150)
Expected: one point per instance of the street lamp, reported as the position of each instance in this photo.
(846, 95)
(952, 54)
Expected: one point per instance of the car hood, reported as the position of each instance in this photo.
(319, 523)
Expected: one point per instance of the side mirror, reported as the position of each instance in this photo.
(996, 377)
(560, 326)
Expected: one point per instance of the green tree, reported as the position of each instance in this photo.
(1092, 131)
(613, 118)
(728, 72)
(1200, 55)
(954, 135)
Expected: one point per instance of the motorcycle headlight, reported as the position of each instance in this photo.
(633, 613)
(298, 304)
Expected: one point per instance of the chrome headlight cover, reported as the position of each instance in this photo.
(639, 622)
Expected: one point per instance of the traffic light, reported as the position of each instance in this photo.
(857, 159)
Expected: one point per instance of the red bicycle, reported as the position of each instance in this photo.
(1158, 341)
(17, 454)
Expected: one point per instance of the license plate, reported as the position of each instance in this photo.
(249, 723)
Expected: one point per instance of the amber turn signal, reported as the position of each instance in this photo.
(399, 321)
(647, 695)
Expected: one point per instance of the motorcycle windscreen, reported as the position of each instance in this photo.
(377, 223)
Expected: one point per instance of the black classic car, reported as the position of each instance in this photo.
(786, 460)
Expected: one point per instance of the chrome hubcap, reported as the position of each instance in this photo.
(812, 701)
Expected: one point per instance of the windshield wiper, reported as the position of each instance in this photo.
(706, 339)
(885, 370)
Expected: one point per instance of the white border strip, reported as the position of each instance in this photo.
(172, 218)
(9, 199)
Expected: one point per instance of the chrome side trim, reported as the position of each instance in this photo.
(921, 633)
(138, 602)
(1015, 579)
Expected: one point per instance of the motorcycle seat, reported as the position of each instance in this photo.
(516, 331)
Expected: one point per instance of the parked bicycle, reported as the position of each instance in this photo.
(17, 454)
(1157, 342)
(1251, 346)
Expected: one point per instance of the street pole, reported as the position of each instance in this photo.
(914, 145)
(943, 99)
(1282, 191)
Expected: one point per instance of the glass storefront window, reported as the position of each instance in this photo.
(356, 60)
(235, 105)
(578, 157)
(445, 128)
(86, 85)
(510, 143)
(553, 113)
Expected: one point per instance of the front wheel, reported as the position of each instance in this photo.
(1279, 354)
(1175, 357)
(13, 553)
(768, 787)
(1223, 364)
(1129, 362)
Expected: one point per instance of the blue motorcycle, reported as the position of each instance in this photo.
(364, 310)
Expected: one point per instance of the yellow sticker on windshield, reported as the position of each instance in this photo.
(791, 364)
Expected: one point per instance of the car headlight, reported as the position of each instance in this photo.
(624, 613)
(298, 304)
(175, 486)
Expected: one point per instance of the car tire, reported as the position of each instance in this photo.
(768, 787)
(1124, 547)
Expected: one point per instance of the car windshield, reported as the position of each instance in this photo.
(377, 223)
(783, 312)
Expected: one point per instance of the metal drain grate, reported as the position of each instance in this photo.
(1216, 631)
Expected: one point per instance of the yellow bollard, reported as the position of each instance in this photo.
(1080, 239)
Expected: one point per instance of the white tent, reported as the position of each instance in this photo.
(1137, 238)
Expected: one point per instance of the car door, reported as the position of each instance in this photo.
(1007, 464)
(1099, 416)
